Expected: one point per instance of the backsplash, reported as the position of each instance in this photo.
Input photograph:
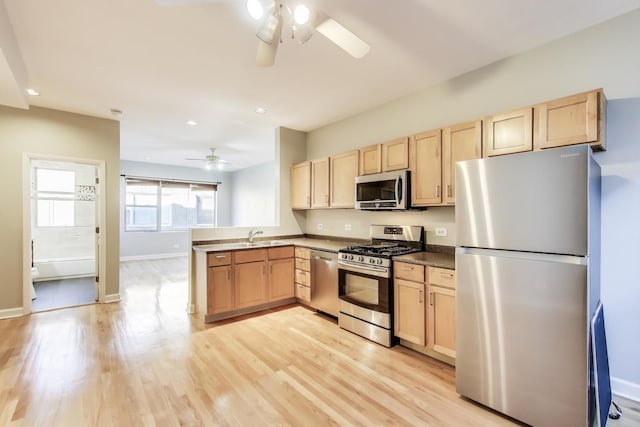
(355, 223)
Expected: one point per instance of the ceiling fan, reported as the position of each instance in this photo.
(211, 160)
(301, 22)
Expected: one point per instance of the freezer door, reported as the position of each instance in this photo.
(522, 333)
(533, 202)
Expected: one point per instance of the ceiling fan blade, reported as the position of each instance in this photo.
(199, 160)
(266, 55)
(342, 37)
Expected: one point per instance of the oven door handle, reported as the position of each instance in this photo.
(364, 269)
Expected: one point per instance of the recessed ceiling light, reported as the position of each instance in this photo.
(192, 122)
(261, 110)
(33, 92)
(115, 112)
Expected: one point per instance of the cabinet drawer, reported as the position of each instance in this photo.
(251, 255)
(442, 277)
(403, 270)
(281, 252)
(303, 292)
(303, 264)
(218, 258)
(303, 252)
(303, 277)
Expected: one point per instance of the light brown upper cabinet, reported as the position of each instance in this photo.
(575, 119)
(459, 142)
(395, 154)
(344, 169)
(320, 183)
(509, 133)
(426, 163)
(371, 159)
(301, 185)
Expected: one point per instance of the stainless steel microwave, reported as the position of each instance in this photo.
(383, 191)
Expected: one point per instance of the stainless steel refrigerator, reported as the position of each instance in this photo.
(527, 267)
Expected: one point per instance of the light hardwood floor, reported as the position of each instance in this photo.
(145, 362)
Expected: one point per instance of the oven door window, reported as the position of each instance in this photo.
(364, 290)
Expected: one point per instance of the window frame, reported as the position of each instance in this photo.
(51, 197)
(158, 183)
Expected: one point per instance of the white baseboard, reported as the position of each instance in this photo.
(11, 312)
(191, 308)
(111, 298)
(625, 389)
(153, 256)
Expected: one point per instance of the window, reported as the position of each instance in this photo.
(153, 205)
(55, 197)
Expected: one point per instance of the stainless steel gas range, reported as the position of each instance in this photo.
(365, 280)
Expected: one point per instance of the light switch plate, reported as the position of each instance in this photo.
(347, 227)
(441, 231)
(320, 226)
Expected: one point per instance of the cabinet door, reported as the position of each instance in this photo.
(409, 317)
(571, 120)
(371, 159)
(250, 284)
(344, 169)
(459, 142)
(320, 183)
(509, 133)
(395, 154)
(219, 290)
(426, 163)
(281, 279)
(441, 336)
(301, 186)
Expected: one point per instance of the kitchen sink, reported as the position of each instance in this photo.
(260, 243)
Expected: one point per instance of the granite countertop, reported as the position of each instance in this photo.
(429, 259)
(312, 243)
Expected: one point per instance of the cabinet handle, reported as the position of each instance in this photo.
(308, 200)
(430, 298)
(221, 256)
(228, 274)
(420, 297)
(437, 191)
(264, 270)
(326, 198)
(446, 275)
(448, 190)
(407, 268)
(270, 269)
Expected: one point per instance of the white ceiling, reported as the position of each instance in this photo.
(164, 65)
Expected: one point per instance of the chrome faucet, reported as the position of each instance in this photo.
(253, 233)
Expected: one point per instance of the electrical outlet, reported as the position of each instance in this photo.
(347, 227)
(320, 226)
(441, 231)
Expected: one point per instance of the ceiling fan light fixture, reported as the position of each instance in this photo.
(255, 8)
(268, 29)
(208, 165)
(301, 14)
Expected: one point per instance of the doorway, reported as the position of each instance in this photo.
(63, 206)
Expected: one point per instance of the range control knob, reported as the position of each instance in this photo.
(350, 256)
(379, 261)
(361, 258)
(372, 261)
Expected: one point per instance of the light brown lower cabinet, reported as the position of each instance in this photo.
(242, 279)
(250, 284)
(219, 289)
(425, 307)
(303, 275)
(409, 322)
(281, 273)
(441, 311)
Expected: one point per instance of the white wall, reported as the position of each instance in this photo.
(253, 196)
(620, 166)
(603, 56)
(141, 244)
